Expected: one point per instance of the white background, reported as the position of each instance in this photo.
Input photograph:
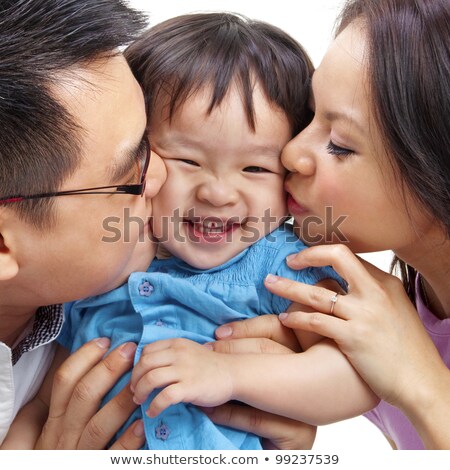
(311, 23)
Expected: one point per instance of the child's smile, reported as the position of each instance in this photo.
(224, 189)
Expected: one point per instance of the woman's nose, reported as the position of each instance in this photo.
(297, 155)
(156, 176)
(217, 192)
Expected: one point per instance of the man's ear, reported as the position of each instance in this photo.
(9, 267)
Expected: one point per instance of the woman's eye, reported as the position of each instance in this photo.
(256, 169)
(334, 149)
(189, 162)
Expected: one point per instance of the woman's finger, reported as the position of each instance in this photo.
(282, 433)
(265, 326)
(320, 323)
(318, 298)
(341, 259)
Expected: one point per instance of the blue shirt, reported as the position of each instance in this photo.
(175, 300)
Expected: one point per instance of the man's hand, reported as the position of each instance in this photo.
(277, 432)
(74, 420)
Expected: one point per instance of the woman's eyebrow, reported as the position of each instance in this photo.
(343, 116)
(332, 115)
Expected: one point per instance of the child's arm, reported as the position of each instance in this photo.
(318, 386)
(27, 426)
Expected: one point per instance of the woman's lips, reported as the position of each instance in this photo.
(294, 207)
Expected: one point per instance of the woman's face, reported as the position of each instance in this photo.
(342, 185)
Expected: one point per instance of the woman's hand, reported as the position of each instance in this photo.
(264, 335)
(375, 325)
(74, 420)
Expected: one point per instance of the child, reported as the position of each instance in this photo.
(224, 96)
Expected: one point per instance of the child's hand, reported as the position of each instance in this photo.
(188, 372)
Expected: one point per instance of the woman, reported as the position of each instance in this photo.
(377, 152)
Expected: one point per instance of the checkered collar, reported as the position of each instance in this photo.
(46, 327)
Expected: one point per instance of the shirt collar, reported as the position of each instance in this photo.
(46, 327)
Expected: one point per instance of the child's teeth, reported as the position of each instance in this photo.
(209, 226)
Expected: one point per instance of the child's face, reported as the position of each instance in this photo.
(224, 189)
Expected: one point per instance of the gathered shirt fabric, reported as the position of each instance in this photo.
(23, 367)
(390, 420)
(175, 300)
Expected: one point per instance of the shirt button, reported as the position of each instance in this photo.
(146, 289)
(162, 432)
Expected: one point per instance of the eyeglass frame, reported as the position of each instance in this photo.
(136, 189)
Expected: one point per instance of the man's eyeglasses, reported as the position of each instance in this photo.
(137, 189)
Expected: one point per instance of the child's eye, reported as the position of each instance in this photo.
(334, 149)
(189, 162)
(256, 169)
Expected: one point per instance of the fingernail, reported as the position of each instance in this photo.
(102, 343)
(208, 346)
(138, 430)
(224, 331)
(127, 350)
(271, 279)
(283, 316)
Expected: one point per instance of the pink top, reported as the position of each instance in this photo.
(392, 421)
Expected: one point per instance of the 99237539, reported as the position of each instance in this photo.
(307, 459)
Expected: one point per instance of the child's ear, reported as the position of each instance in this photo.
(9, 266)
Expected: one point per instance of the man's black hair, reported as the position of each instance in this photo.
(40, 40)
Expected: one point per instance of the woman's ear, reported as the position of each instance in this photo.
(9, 267)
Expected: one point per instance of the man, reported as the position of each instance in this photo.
(72, 117)
(74, 155)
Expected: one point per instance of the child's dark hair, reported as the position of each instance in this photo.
(40, 41)
(184, 54)
(409, 76)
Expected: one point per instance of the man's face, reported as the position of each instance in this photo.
(98, 239)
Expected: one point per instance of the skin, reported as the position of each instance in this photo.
(28, 254)
(82, 380)
(369, 323)
(339, 161)
(219, 178)
(43, 255)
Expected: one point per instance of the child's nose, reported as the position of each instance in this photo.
(218, 193)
